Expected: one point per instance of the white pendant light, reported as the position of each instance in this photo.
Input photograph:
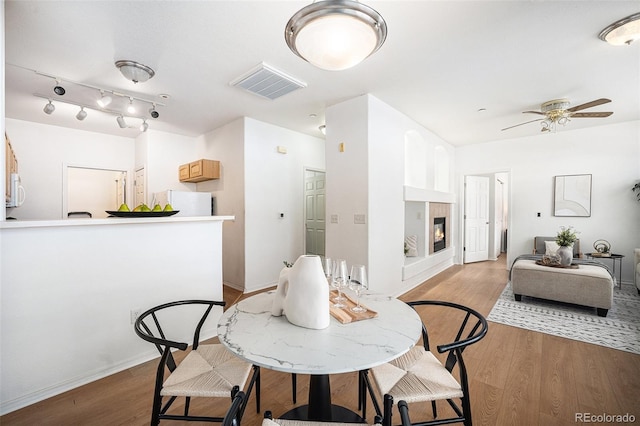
(622, 32)
(335, 34)
(134, 71)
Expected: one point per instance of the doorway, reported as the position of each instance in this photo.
(486, 216)
(92, 192)
(314, 212)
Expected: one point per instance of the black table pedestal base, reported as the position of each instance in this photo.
(338, 414)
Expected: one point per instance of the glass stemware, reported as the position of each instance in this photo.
(327, 266)
(357, 283)
(339, 280)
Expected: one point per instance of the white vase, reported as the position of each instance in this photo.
(303, 294)
(566, 255)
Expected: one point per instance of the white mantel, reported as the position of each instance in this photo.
(69, 286)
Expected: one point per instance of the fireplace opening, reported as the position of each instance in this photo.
(439, 237)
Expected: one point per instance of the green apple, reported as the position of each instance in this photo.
(123, 208)
(168, 208)
(156, 208)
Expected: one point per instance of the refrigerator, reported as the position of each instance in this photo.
(189, 203)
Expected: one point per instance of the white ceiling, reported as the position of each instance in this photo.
(441, 63)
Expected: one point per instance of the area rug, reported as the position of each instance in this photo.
(620, 329)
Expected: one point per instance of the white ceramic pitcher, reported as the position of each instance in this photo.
(303, 294)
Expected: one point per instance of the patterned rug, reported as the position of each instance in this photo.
(620, 329)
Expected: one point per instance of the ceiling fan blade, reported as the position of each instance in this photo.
(591, 114)
(533, 112)
(526, 122)
(589, 104)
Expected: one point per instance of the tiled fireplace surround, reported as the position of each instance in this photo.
(439, 210)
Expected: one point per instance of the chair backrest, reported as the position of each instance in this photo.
(154, 325)
(234, 413)
(539, 246)
(471, 328)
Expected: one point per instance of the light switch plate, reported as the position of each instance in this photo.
(359, 218)
(334, 218)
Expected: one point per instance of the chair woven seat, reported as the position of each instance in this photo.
(209, 371)
(416, 376)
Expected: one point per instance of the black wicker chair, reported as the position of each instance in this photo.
(208, 370)
(419, 376)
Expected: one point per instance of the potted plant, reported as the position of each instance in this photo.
(565, 239)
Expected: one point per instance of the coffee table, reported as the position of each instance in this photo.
(250, 331)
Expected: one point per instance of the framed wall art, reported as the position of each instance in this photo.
(572, 196)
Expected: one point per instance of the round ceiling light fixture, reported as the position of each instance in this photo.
(622, 32)
(135, 71)
(335, 34)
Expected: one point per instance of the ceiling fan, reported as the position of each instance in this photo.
(557, 111)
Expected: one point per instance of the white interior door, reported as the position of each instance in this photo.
(476, 219)
(315, 223)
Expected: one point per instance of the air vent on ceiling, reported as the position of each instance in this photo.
(267, 82)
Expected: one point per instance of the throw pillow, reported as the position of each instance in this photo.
(411, 241)
(551, 247)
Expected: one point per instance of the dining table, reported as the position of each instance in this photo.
(250, 331)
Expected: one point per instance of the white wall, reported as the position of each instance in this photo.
(610, 153)
(44, 151)
(274, 184)
(226, 145)
(369, 177)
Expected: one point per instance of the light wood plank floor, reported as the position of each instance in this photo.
(518, 377)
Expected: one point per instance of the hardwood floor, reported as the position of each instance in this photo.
(518, 377)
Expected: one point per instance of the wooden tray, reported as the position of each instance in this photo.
(572, 266)
(346, 315)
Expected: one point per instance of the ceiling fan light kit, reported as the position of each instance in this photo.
(622, 32)
(335, 34)
(557, 112)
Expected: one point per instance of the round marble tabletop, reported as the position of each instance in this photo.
(250, 331)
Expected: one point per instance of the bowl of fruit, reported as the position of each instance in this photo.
(142, 210)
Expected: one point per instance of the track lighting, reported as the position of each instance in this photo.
(121, 122)
(144, 126)
(59, 90)
(49, 108)
(82, 114)
(131, 109)
(153, 112)
(104, 99)
(323, 129)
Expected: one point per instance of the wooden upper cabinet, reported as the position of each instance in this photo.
(199, 171)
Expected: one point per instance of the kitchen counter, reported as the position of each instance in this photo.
(12, 224)
(73, 287)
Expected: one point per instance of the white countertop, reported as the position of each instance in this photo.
(13, 224)
(250, 331)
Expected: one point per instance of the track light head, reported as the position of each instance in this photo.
(104, 100)
(153, 112)
(131, 109)
(121, 122)
(144, 126)
(59, 90)
(82, 114)
(49, 108)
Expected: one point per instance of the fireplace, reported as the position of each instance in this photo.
(439, 237)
